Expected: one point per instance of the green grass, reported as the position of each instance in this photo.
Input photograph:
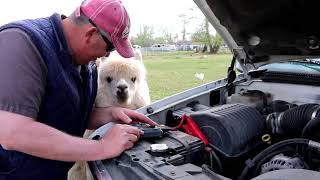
(173, 72)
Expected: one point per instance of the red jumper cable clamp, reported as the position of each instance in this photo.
(190, 127)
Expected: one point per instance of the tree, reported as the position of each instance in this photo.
(160, 40)
(175, 38)
(185, 20)
(217, 42)
(194, 15)
(145, 36)
(165, 38)
(208, 37)
(202, 35)
(168, 36)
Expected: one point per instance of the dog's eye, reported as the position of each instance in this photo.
(109, 79)
(133, 79)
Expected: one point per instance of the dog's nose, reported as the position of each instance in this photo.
(122, 90)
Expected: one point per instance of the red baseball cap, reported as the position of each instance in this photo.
(111, 17)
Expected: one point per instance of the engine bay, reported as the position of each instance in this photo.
(262, 127)
(249, 130)
(257, 116)
(248, 141)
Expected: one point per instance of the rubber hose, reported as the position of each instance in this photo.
(312, 129)
(269, 150)
(294, 119)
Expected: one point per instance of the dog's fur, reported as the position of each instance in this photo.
(121, 82)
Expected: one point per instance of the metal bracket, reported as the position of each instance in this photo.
(240, 54)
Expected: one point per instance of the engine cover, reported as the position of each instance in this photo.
(230, 128)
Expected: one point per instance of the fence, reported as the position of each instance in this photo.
(165, 49)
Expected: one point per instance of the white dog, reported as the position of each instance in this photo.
(121, 82)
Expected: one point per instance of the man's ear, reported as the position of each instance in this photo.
(90, 32)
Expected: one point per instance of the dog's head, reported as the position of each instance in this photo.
(118, 80)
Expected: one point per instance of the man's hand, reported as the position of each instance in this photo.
(128, 116)
(118, 139)
(101, 116)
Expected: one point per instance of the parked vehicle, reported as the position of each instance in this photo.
(162, 47)
(136, 46)
(261, 124)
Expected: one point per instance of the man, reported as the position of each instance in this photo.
(48, 87)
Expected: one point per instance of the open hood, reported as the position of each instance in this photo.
(262, 32)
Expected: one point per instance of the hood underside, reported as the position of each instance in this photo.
(266, 31)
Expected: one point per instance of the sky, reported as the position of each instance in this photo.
(159, 14)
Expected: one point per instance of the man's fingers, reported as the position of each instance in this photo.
(129, 145)
(123, 117)
(133, 138)
(140, 117)
(133, 130)
(126, 116)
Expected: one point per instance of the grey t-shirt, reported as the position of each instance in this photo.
(22, 74)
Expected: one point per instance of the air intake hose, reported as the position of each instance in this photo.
(292, 121)
(311, 130)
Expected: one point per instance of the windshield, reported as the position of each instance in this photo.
(309, 66)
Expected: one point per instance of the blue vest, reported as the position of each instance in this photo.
(67, 103)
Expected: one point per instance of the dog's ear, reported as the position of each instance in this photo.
(100, 60)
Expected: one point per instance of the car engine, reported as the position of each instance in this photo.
(251, 133)
(250, 139)
(237, 131)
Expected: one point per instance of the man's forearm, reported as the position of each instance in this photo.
(43, 141)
